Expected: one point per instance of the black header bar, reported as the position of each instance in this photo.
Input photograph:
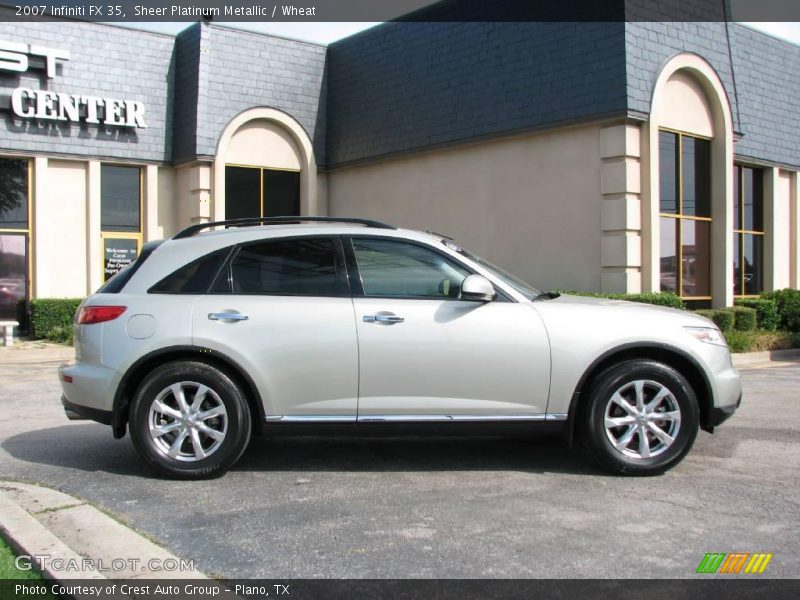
(402, 10)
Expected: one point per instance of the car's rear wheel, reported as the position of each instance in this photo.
(190, 420)
(641, 417)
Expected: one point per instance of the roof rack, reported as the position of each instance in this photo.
(252, 221)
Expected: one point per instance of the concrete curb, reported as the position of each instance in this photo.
(48, 525)
(751, 359)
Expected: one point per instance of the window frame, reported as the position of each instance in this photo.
(121, 235)
(226, 271)
(680, 217)
(27, 233)
(741, 232)
(357, 286)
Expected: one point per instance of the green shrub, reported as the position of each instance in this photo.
(767, 316)
(657, 298)
(724, 318)
(52, 318)
(744, 318)
(740, 341)
(759, 341)
(708, 313)
(788, 303)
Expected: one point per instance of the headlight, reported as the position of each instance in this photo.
(709, 335)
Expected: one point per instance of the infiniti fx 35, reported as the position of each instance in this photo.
(263, 324)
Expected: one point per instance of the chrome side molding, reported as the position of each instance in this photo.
(413, 418)
(311, 419)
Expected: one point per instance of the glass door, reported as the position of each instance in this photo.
(14, 238)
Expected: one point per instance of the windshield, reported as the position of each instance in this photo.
(523, 288)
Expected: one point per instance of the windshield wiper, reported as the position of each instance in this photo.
(547, 296)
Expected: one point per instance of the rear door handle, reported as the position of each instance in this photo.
(388, 319)
(227, 316)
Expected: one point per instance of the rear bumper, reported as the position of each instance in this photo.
(90, 386)
(76, 412)
(86, 392)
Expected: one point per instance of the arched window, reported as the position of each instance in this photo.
(264, 166)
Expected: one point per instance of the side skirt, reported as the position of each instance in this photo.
(418, 425)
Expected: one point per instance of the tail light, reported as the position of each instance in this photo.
(99, 314)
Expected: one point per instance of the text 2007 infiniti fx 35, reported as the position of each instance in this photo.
(211, 336)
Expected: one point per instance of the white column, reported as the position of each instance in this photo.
(620, 186)
(94, 250)
(722, 219)
(39, 215)
(151, 231)
(794, 230)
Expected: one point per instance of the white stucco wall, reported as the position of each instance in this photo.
(687, 107)
(529, 203)
(60, 230)
(167, 204)
(263, 143)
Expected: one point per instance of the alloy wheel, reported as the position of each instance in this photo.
(642, 419)
(187, 421)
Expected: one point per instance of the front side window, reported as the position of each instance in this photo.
(399, 269)
(685, 221)
(748, 231)
(303, 267)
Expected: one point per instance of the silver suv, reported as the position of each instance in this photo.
(264, 324)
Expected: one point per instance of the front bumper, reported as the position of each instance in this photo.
(720, 414)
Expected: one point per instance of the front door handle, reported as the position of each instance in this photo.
(227, 316)
(388, 319)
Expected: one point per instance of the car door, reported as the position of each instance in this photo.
(283, 311)
(424, 354)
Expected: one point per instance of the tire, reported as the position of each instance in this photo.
(617, 443)
(215, 417)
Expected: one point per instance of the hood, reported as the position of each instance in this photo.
(632, 308)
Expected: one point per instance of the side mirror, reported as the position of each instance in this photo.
(477, 289)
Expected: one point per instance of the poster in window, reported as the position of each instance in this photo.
(118, 253)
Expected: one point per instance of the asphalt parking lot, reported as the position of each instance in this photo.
(440, 507)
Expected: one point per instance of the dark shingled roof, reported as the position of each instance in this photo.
(404, 86)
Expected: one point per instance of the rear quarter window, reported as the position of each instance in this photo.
(194, 277)
(118, 281)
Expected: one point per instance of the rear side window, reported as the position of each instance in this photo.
(193, 278)
(304, 267)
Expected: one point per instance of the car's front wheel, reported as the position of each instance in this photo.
(190, 420)
(641, 417)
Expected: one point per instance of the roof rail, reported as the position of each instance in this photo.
(252, 221)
